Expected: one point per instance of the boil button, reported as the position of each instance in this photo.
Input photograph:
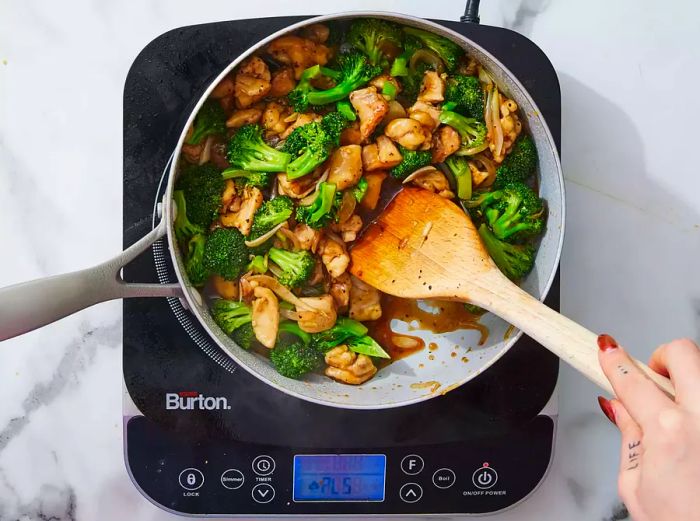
(484, 477)
(444, 478)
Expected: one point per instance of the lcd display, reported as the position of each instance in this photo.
(339, 477)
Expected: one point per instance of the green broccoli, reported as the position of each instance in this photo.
(248, 151)
(311, 144)
(412, 81)
(202, 187)
(258, 264)
(448, 51)
(519, 164)
(374, 36)
(344, 329)
(333, 124)
(295, 360)
(297, 266)
(197, 273)
(210, 120)
(412, 161)
(355, 71)
(514, 260)
(366, 345)
(459, 166)
(467, 95)
(225, 253)
(360, 189)
(244, 336)
(291, 327)
(236, 320)
(472, 131)
(270, 214)
(184, 229)
(345, 108)
(400, 66)
(257, 179)
(322, 210)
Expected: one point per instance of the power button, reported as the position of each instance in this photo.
(484, 477)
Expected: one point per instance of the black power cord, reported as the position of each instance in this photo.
(471, 12)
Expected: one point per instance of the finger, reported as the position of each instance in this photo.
(680, 360)
(640, 396)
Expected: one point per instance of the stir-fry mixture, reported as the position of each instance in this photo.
(300, 141)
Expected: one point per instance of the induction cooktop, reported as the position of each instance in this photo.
(203, 437)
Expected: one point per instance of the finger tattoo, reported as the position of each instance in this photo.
(633, 455)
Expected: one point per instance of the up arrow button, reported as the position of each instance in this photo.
(411, 492)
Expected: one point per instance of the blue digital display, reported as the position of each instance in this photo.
(339, 477)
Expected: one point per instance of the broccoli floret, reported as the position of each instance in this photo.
(184, 229)
(210, 120)
(412, 161)
(321, 211)
(448, 51)
(467, 95)
(519, 164)
(197, 273)
(360, 189)
(257, 179)
(412, 81)
(244, 336)
(248, 151)
(258, 264)
(374, 36)
(295, 360)
(459, 166)
(344, 329)
(270, 214)
(346, 110)
(514, 260)
(355, 71)
(472, 131)
(297, 266)
(202, 187)
(400, 66)
(333, 124)
(311, 144)
(291, 327)
(225, 253)
(229, 315)
(366, 345)
(514, 213)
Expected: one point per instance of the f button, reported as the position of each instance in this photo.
(412, 464)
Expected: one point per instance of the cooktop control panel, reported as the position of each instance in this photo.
(240, 478)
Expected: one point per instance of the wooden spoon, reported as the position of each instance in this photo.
(424, 246)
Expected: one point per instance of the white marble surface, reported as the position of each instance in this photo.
(629, 265)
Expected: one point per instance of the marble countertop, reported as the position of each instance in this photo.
(629, 265)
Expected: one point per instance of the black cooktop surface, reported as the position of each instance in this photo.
(492, 419)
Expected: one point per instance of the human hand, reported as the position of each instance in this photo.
(660, 454)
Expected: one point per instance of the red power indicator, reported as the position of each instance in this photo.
(485, 465)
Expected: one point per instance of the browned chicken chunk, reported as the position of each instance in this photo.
(407, 132)
(349, 228)
(282, 82)
(380, 80)
(380, 155)
(301, 119)
(252, 82)
(351, 134)
(349, 367)
(266, 316)
(273, 118)
(426, 114)
(432, 90)
(345, 168)
(322, 317)
(370, 107)
(224, 88)
(446, 141)
(316, 33)
(242, 218)
(340, 291)
(334, 256)
(365, 301)
(435, 181)
(244, 117)
(298, 188)
(308, 237)
(298, 52)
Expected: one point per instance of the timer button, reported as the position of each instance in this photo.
(411, 492)
(412, 464)
(263, 465)
(484, 477)
(444, 478)
(191, 479)
(232, 479)
(263, 493)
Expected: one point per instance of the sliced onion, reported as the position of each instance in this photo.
(405, 342)
(261, 240)
(347, 207)
(309, 196)
(289, 314)
(487, 113)
(289, 234)
(473, 150)
(283, 292)
(490, 167)
(418, 172)
(428, 57)
(496, 122)
(205, 156)
(484, 77)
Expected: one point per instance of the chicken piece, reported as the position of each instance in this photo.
(380, 80)
(470, 68)
(370, 107)
(228, 195)
(193, 152)
(510, 123)
(322, 317)
(244, 117)
(349, 367)
(349, 228)
(345, 167)
(435, 181)
(227, 289)
(334, 256)
(302, 119)
(252, 82)
(340, 291)
(224, 88)
(446, 141)
(351, 134)
(282, 82)
(298, 52)
(242, 218)
(426, 114)
(316, 33)
(273, 118)
(478, 176)
(374, 189)
(432, 90)
(246, 289)
(308, 237)
(365, 301)
(218, 155)
(380, 155)
(406, 132)
(298, 188)
(266, 316)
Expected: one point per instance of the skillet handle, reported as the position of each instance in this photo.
(31, 305)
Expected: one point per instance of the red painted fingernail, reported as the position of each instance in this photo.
(607, 408)
(606, 343)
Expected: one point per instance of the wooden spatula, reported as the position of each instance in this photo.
(424, 246)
